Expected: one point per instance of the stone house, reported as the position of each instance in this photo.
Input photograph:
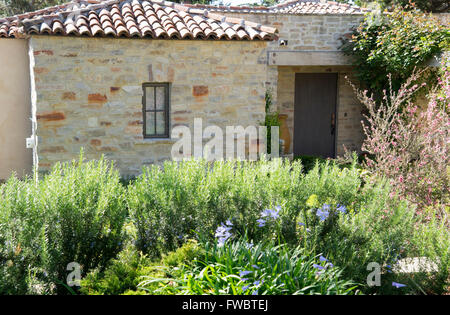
(114, 77)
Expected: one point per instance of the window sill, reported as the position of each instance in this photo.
(156, 140)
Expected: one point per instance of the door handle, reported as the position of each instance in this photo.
(333, 123)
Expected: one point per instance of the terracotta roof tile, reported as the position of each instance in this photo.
(317, 7)
(289, 7)
(132, 18)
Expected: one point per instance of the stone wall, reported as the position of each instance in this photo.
(88, 90)
(305, 32)
(89, 93)
(313, 33)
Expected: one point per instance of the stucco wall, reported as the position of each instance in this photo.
(88, 93)
(15, 110)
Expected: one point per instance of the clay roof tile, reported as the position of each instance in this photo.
(135, 18)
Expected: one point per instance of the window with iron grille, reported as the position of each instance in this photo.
(155, 104)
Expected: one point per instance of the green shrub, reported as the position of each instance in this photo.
(309, 162)
(123, 274)
(74, 214)
(271, 120)
(379, 228)
(375, 230)
(78, 213)
(431, 239)
(187, 253)
(171, 204)
(394, 44)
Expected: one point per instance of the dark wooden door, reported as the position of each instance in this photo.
(315, 114)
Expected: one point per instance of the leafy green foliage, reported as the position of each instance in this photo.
(377, 227)
(394, 44)
(424, 5)
(125, 272)
(122, 274)
(271, 120)
(174, 203)
(238, 268)
(74, 214)
(309, 161)
(13, 7)
(79, 213)
(184, 255)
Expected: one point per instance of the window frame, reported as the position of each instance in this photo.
(166, 109)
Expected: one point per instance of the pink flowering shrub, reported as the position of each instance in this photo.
(408, 145)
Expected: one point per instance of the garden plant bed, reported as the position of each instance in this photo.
(263, 227)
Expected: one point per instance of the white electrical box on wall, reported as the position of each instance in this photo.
(30, 143)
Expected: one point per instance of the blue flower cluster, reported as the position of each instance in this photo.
(341, 208)
(324, 212)
(223, 232)
(322, 268)
(269, 214)
(398, 285)
(257, 283)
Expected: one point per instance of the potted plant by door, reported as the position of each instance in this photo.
(284, 133)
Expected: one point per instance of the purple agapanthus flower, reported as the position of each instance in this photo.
(244, 288)
(322, 214)
(244, 273)
(223, 233)
(222, 229)
(277, 209)
(274, 215)
(261, 222)
(323, 259)
(388, 267)
(398, 285)
(319, 267)
(223, 240)
(271, 213)
(266, 213)
(341, 208)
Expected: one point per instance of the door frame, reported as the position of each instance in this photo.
(336, 109)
